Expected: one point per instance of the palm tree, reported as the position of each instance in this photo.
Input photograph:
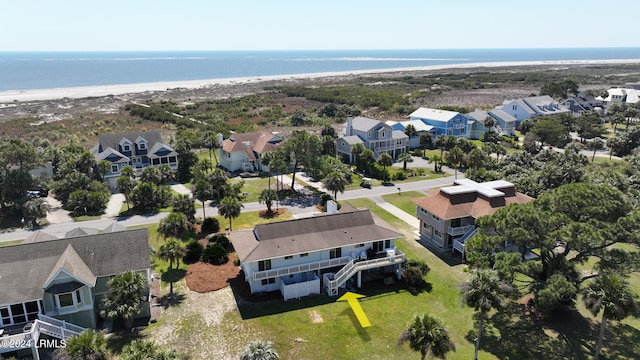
(183, 203)
(410, 131)
(384, 161)
(202, 191)
(124, 297)
(611, 293)
(35, 209)
(259, 350)
(426, 334)
(230, 208)
(436, 159)
(174, 225)
(125, 185)
(268, 196)
(426, 140)
(147, 349)
(335, 181)
(405, 158)
(211, 142)
(89, 345)
(356, 152)
(265, 160)
(367, 157)
(595, 145)
(476, 159)
(172, 250)
(454, 157)
(484, 292)
(441, 142)
(489, 123)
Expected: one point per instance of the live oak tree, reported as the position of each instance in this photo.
(568, 226)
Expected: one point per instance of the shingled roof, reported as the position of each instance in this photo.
(26, 268)
(468, 198)
(259, 142)
(306, 235)
(113, 140)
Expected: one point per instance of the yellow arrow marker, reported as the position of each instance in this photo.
(352, 298)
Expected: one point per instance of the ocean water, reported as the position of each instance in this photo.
(45, 70)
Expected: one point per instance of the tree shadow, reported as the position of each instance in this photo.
(173, 274)
(169, 301)
(117, 341)
(422, 287)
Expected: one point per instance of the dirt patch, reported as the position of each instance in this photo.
(202, 277)
(316, 317)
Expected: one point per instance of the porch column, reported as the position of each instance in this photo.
(399, 271)
(359, 279)
(34, 351)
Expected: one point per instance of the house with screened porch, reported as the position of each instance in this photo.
(302, 257)
(448, 215)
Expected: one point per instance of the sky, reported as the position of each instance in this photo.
(141, 25)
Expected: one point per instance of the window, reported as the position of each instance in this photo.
(378, 246)
(387, 244)
(114, 168)
(172, 159)
(398, 142)
(155, 161)
(32, 310)
(142, 146)
(17, 311)
(126, 147)
(268, 281)
(288, 257)
(5, 319)
(450, 132)
(434, 217)
(335, 253)
(69, 299)
(359, 245)
(437, 233)
(304, 254)
(424, 225)
(514, 107)
(264, 265)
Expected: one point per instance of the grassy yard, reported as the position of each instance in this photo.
(328, 329)
(403, 200)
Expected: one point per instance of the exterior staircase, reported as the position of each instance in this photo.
(332, 282)
(459, 244)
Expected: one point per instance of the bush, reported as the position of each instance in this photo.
(400, 175)
(324, 198)
(215, 254)
(414, 271)
(236, 262)
(219, 239)
(194, 252)
(210, 225)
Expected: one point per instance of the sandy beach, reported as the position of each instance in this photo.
(120, 89)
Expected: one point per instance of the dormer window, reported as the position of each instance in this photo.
(126, 147)
(142, 146)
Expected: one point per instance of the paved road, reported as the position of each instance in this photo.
(298, 209)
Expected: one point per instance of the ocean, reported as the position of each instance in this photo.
(46, 70)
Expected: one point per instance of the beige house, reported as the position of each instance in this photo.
(244, 152)
(448, 215)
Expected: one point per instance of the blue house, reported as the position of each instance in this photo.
(443, 121)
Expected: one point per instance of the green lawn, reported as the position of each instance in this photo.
(403, 200)
(7, 243)
(253, 186)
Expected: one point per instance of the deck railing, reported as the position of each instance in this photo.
(317, 265)
(351, 269)
(44, 325)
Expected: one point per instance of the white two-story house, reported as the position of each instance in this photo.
(137, 149)
(302, 257)
(448, 215)
(372, 134)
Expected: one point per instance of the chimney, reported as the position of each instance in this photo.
(220, 139)
(349, 126)
(332, 207)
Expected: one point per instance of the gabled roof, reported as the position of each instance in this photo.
(113, 227)
(397, 134)
(113, 140)
(160, 149)
(80, 231)
(71, 263)
(352, 140)
(38, 236)
(110, 155)
(468, 198)
(524, 106)
(365, 124)
(279, 239)
(260, 142)
(478, 115)
(25, 268)
(502, 115)
(434, 114)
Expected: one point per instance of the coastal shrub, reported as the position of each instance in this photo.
(219, 239)
(210, 225)
(400, 175)
(414, 272)
(215, 254)
(194, 252)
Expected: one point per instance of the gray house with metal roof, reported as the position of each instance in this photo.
(67, 278)
(303, 256)
(137, 149)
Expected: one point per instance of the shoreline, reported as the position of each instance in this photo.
(13, 96)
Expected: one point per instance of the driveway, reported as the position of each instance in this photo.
(114, 205)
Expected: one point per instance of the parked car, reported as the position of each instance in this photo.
(366, 184)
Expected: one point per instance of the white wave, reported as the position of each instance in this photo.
(378, 59)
